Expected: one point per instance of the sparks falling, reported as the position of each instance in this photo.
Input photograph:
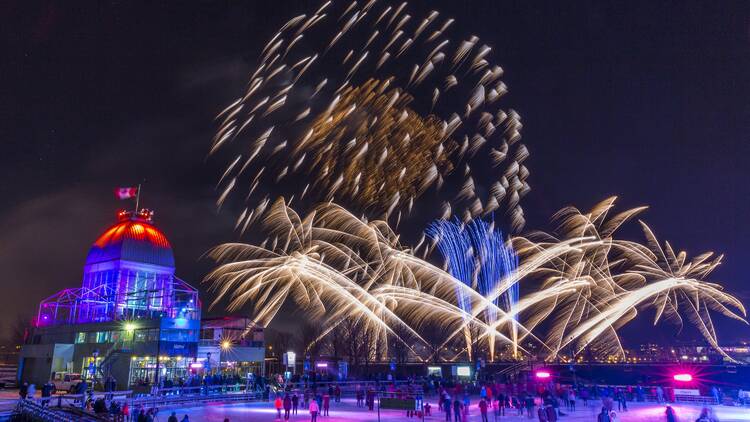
(337, 267)
(372, 107)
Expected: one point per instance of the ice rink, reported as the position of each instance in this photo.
(347, 411)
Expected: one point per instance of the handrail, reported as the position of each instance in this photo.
(32, 408)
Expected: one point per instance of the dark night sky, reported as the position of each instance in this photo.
(646, 100)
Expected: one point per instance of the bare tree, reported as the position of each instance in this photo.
(279, 342)
(350, 329)
(310, 342)
(398, 344)
(434, 336)
(20, 330)
(337, 340)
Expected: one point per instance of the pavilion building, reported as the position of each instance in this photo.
(132, 319)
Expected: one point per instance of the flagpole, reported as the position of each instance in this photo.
(137, 199)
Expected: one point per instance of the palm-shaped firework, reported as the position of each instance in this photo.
(620, 278)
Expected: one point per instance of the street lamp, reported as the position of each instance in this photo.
(225, 346)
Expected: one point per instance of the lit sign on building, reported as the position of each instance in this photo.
(434, 370)
(290, 358)
(463, 371)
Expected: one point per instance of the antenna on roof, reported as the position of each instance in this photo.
(137, 199)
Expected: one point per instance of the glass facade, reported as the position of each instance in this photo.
(131, 308)
(143, 369)
(89, 366)
(137, 336)
(129, 275)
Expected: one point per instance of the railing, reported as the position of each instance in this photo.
(67, 407)
(38, 411)
(704, 400)
(240, 343)
(347, 388)
(192, 396)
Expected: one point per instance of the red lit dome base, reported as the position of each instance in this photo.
(133, 238)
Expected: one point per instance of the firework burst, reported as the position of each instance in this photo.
(368, 105)
(583, 283)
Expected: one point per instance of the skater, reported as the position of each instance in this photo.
(671, 416)
(314, 409)
(483, 409)
(278, 404)
(457, 410)
(287, 406)
(603, 416)
(326, 404)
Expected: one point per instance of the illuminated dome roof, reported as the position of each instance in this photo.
(133, 238)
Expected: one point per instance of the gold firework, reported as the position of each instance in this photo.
(337, 267)
(371, 106)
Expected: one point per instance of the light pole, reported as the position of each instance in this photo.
(95, 353)
(158, 352)
(225, 346)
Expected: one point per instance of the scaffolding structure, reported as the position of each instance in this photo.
(170, 298)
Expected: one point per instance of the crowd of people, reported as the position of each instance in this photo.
(545, 402)
(317, 401)
(536, 401)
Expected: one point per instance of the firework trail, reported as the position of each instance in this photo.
(582, 281)
(621, 278)
(368, 105)
(477, 255)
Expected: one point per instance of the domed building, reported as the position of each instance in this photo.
(129, 275)
(129, 309)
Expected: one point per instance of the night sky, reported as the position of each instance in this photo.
(646, 100)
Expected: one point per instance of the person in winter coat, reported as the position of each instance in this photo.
(551, 413)
(314, 409)
(542, 414)
(483, 409)
(447, 408)
(278, 404)
(287, 406)
(671, 416)
(603, 416)
(529, 402)
(31, 391)
(326, 404)
(295, 403)
(457, 405)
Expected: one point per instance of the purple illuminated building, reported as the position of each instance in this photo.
(128, 275)
(132, 322)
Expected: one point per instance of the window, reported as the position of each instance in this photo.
(81, 338)
(178, 335)
(207, 334)
(145, 335)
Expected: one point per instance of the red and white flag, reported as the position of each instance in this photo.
(126, 193)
